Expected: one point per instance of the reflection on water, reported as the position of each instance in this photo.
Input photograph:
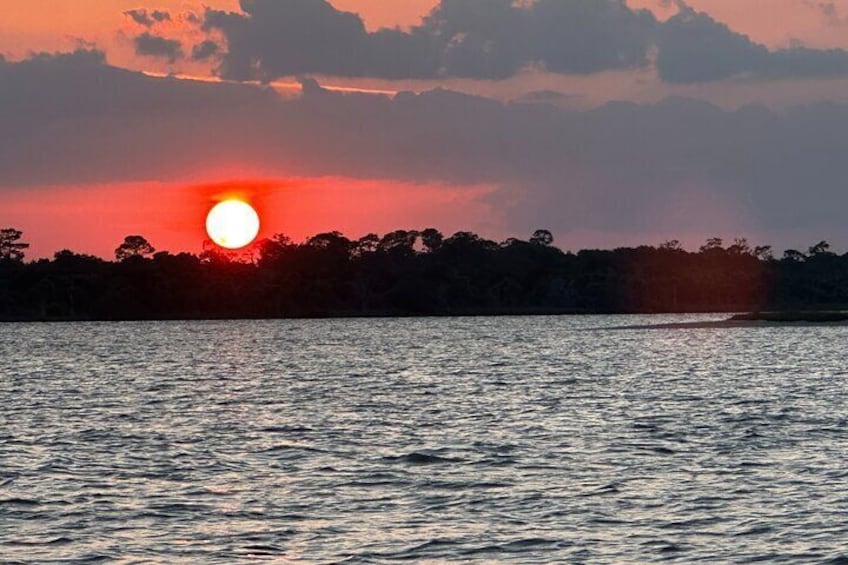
(502, 439)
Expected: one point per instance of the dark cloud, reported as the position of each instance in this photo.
(310, 87)
(205, 50)
(148, 18)
(272, 38)
(677, 165)
(490, 39)
(801, 62)
(193, 18)
(291, 37)
(477, 38)
(586, 36)
(496, 39)
(830, 12)
(64, 114)
(694, 48)
(150, 45)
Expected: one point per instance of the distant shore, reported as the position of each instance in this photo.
(754, 319)
(347, 315)
(758, 319)
(412, 273)
(791, 317)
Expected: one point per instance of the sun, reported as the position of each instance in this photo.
(232, 224)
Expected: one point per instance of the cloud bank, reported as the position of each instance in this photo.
(148, 18)
(679, 164)
(693, 47)
(149, 45)
(497, 39)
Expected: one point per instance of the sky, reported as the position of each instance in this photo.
(608, 122)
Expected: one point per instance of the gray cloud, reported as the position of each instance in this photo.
(693, 48)
(205, 50)
(148, 18)
(150, 45)
(677, 165)
(586, 36)
(489, 39)
(291, 37)
(496, 39)
(193, 18)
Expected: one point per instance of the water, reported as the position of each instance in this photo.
(526, 440)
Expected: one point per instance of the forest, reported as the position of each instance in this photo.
(413, 273)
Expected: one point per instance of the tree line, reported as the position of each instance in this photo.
(413, 273)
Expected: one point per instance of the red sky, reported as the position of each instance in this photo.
(95, 219)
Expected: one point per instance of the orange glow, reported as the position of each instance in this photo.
(232, 224)
(95, 219)
(379, 13)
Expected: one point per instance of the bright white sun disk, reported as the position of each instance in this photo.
(232, 224)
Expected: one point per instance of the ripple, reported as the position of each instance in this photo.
(526, 440)
(420, 458)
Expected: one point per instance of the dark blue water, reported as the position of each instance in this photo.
(525, 440)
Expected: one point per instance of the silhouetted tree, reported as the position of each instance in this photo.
(821, 248)
(740, 247)
(542, 237)
(212, 254)
(712, 244)
(432, 239)
(763, 253)
(134, 246)
(400, 241)
(274, 249)
(367, 244)
(11, 246)
(407, 272)
(333, 241)
(794, 255)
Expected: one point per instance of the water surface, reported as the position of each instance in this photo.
(522, 440)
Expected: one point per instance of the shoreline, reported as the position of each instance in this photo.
(731, 324)
(758, 320)
(750, 320)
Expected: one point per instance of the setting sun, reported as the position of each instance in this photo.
(232, 224)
